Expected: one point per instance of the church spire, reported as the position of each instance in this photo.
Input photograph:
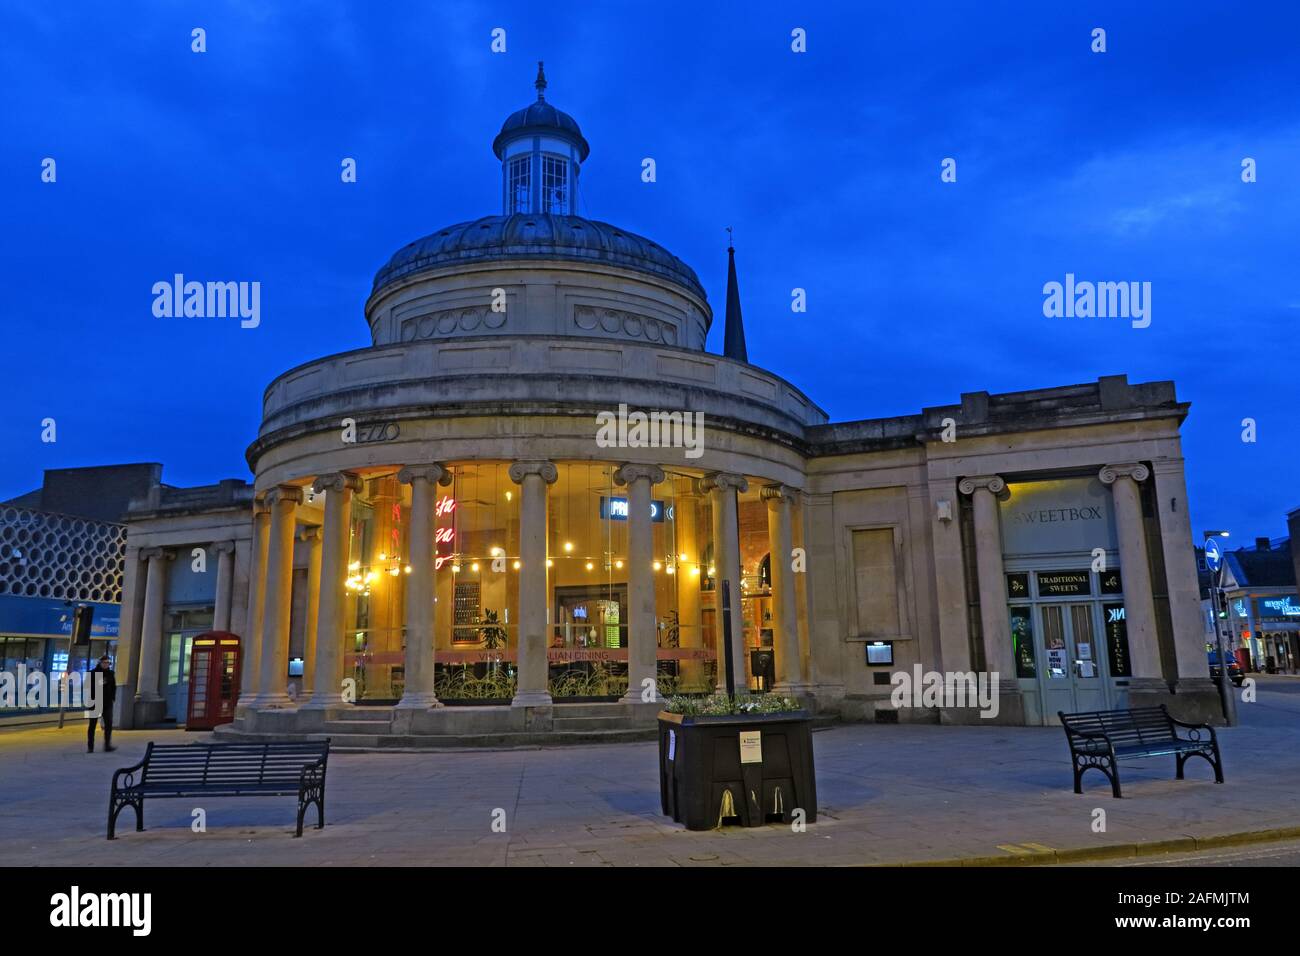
(733, 342)
(541, 82)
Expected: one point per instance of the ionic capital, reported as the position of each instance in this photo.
(628, 473)
(156, 554)
(778, 493)
(1133, 469)
(222, 547)
(723, 481)
(994, 484)
(336, 481)
(545, 469)
(310, 532)
(283, 495)
(433, 473)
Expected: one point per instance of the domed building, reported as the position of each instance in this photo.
(535, 504)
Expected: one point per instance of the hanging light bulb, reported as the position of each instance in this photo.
(568, 546)
(658, 566)
(474, 566)
(618, 564)
(517, 565)
(590, 565)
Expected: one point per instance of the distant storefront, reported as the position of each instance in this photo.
(49, 565)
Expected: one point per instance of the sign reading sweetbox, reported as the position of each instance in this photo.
(1063, 516)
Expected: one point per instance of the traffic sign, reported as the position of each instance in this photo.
(1213, 554)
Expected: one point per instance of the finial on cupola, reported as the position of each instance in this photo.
(541, 82)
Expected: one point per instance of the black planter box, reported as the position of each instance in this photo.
(700, 762)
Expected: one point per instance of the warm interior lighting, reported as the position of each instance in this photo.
(474, 566)
(658, 565)
(497, 552)
(408, 569)
(517, 565)
(568, 546)
(618, 564)
(682, 556)
(549, 562)
(696, 570)
(510, 495)
(455, 569)
(354, 566)
(672, 569)
(590, 565)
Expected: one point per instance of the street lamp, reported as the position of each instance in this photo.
(1226, 698)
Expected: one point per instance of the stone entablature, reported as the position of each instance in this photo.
(539, 297)
(594, 373)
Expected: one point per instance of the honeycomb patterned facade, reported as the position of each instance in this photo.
(59, 556)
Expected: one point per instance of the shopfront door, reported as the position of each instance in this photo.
(1072, 677)
(178, 674)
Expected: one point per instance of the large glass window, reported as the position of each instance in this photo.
(520, 183)
(378, 561)
(477, 567)
(555, 185)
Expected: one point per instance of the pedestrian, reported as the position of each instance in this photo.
(106, 697)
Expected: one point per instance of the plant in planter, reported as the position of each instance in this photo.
(491, 631)
(748, 757)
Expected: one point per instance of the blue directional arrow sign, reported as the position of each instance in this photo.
(1213, 554)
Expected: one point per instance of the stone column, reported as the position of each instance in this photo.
(690, 634)
(722, 489)
(1139, 605)
(151, 630)
(1183, 585)
(225, 581)
(251, 648)
(418, 693)
(642, 635)
(283, 500)
(785, 622)
(312, 536)
(327, 670)
(995, 621)
(533, 477)
(128, 639)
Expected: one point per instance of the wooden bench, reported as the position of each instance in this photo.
(1100, 738)
(223, 770)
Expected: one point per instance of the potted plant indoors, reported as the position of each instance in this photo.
(741, 756)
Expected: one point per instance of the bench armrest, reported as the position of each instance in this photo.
(1197, 728)
(312, 774)
(127, 776)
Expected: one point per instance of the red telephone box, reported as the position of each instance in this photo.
(214, 680)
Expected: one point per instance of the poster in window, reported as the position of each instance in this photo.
(1022, 642)
(1117, 640)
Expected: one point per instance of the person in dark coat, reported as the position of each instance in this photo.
(108, 696)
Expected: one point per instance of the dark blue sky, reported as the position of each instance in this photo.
(225, 166)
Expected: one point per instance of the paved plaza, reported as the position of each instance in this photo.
(887, 794)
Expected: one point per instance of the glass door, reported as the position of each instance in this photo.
(1089, 687)
(1055, 678)
(1073, 677)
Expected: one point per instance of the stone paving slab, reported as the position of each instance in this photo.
(887, 794)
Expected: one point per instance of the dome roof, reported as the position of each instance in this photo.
(537, 236)
(541, 117)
